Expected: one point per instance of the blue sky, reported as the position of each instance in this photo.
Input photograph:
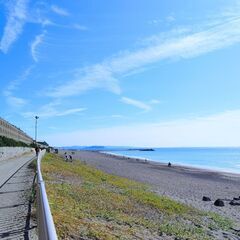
(140, 73)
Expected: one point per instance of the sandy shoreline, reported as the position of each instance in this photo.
(180, 166)
(185, 184)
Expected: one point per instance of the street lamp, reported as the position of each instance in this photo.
(36, 118)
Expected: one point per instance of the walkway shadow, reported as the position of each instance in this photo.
(16, 207)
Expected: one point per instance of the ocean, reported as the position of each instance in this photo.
(221, 159)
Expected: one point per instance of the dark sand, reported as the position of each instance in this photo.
(184, 184)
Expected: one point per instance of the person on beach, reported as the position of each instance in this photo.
(169, 164)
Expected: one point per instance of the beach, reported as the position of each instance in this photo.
(184, 184)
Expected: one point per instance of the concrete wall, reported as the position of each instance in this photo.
(10, 131)
(10, 152)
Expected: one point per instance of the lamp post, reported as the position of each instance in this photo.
(36, 118)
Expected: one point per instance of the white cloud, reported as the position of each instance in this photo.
(176, 44)
(80, 27)
(53, 113)
(16, 18)
(117, 116)
(69, 111)
(13, 85)
(18, 15)
(15, 102)
(154, 101)
(35, 44)
(155, 21)
(45, 22)
(50, 110)
(222, 129)
(12, 100)
(136, 103)
(170, 18)
(96, 76)
(59, 11)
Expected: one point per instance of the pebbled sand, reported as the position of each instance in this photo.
(184, 184)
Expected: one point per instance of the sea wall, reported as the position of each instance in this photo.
(10, 131)
(10, 152)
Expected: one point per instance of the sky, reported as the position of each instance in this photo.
(144, 73)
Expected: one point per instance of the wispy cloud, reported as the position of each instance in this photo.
(11, 99)
(136, 103)
(117, 116)
(177, 45)
(19, 13)
(170, 18)
(16, 18)
(51, 110)
(97, 76)
(35, 44)
(155, 21)
(154, 101)
(59, 11)
(67, 26)
(70, 111)
(79, 27)
(13, 85)
(16, 102)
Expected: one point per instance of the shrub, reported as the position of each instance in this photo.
(8, 142)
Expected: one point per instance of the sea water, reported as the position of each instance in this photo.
(221, 159)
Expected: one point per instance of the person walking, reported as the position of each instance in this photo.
(36, 150)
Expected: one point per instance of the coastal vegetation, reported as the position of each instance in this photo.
(8, 142)
(87, 203)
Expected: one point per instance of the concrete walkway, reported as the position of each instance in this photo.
(15, 205)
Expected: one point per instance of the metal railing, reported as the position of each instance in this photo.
(46, 228)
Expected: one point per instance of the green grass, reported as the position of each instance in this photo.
(88, 203)
(9, 142)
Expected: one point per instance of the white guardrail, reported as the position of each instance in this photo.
(46, 228)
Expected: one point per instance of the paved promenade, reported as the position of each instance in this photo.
(15, 207)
